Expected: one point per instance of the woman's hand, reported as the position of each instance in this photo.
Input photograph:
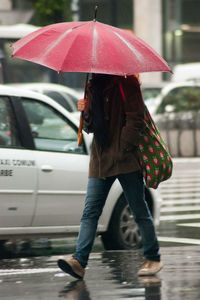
(83, 105)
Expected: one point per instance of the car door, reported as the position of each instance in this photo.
(18, 172)
(62, 166)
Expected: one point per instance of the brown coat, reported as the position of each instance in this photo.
(125, 124)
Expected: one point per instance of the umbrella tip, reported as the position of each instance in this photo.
(95, 12)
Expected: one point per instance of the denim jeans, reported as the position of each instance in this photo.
(97, 191)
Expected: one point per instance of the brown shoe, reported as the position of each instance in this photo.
(150, 267)
(71, 266)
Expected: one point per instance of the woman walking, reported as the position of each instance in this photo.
(114, 111)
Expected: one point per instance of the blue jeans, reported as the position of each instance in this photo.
(97, 191)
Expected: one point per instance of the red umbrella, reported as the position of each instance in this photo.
(90, 47)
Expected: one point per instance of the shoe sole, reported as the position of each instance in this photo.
(65, 267)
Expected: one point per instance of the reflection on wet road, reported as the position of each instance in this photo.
(110, 275)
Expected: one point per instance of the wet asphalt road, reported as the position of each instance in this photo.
(110, 275)
(113, 274)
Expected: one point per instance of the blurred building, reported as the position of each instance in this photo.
(171, 27)
(15, 11)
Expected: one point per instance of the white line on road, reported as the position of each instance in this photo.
(180, 217)
(181, 190)
(180, 208)
(195, 225)
(7, 272)
(186, 201)
(179, 240)
(180, 196)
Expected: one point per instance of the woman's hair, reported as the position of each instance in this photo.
(98, 84)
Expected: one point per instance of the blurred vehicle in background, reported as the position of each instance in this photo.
(65, 96)
(151, 91)
(44, 175)
(185, 72)
(176, 111)
(14, 70)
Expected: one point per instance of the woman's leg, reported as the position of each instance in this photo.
(133, 187)
(97, 192)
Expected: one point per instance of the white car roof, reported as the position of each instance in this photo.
(6, 90)
(152, 104)
(41, 86)
(171, 86)
(188, 71)
(16, 31)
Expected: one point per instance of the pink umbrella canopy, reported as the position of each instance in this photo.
(90, 47)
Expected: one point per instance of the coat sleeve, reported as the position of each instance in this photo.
(134, 116)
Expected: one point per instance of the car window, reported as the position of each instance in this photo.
(149, 93)
(50, 130)
(72, 98)
(59, 99)
(181, 99)
(8, 130)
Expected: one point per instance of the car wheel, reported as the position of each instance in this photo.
(123, 232)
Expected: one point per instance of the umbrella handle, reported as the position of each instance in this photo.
(80, 134)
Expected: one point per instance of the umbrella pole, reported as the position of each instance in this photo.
(80, 134)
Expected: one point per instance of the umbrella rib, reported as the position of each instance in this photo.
(130, 46)
(32, 36)
(62, 36)
(73, 28)
(94, 46)
(56, 42)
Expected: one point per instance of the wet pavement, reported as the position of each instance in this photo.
(110, 275)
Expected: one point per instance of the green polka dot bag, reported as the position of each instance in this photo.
(153, 154)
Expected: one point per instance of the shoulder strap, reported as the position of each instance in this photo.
(122, 92)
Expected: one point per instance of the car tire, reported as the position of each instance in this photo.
(123, 232)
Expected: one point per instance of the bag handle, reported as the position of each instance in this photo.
(150, 121)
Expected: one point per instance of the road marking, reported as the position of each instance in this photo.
(195, 225)
(182, 190)
(180, 208)
(176, 181)
(172, 202)
(180, 196)
(7, 272)
(180, 217)
(179, 240)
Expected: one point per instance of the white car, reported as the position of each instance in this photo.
(185, 72)
(43, 175)
(63, 95)
(159, 103)
(176, 111)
